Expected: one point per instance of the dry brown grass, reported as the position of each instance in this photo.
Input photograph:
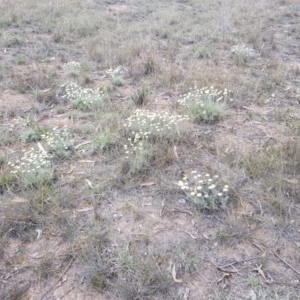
(121, 228)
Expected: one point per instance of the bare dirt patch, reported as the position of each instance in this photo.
(117, 7)
(10, 102)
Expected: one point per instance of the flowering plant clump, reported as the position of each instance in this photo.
(119, 71)
(84, 99)
(205, 104)
(244, 51)
(32, 168)
(143, 129)
(73, 68)
(25, 128)
(135, 146)
(58, 142)
(147, 125)
(205, 191)
(196, 95)
(19, 122)
(138, 155)
(117, 75)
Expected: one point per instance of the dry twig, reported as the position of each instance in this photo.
(237, 262)
(58, 280)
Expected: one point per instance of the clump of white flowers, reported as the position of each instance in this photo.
(135, 146)
(73, 68)
(19, 122)
(119, 71)
(205, 191)
(144, 129)
(205, 104)
(25, 128)
(32, 168)
(144, 125)
(84, 99)
(36, 164)
(117, 75)
(196, 95)
(244, 51)
(58, 142)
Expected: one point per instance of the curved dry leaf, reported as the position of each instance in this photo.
(39, 233)
(19, 200)
(224, 277)
(205, 236)
(260, 271)
(147, 183)
(175, 152)
(89, 184)
(82, 144)
(85, 209)
(293, 181)
(44, 152)
(192, 236)
(70, 171)
(174, 274)
(87, 161)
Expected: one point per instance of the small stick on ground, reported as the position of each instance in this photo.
(183, 211)
(226, 271)
(82, 144)
(237, 262)
(279, 257)
(226, 275)
(155, 261)
(296, 271)
(192, 236)
(59, 278)
(162, 208)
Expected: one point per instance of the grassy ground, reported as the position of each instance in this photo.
(149, 149)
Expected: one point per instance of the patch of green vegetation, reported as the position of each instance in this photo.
(58, 142)
(32, 168)
(4, 23)
(117, 75)
(118, 81)
(141, 277)
(20, 60)
(148, 137)
(61, 109)
(12, 41)
(29, 135)
(144, 126)
(205, 191)
(73, 68)
(45, 96)
(6, 181)
(7, 139)
(201, 53)
(102, 141)
(45, 268)
(140, 97)
(253, 281)
(99, 281)
(206, 111)
(186, 261)
(85, 99)
(87, 130)
(2, 160)
(206, 104)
